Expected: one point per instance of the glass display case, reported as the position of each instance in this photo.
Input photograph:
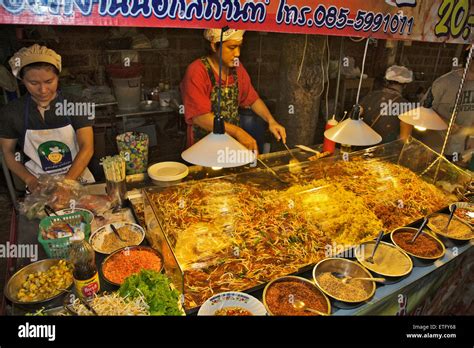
(238, 231)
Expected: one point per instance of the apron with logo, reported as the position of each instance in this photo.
(51, 150)
(229, 101)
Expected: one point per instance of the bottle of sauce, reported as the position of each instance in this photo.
(329, 145)
(86, 276)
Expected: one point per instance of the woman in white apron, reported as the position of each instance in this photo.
(53, 146)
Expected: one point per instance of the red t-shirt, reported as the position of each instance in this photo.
(196, 90)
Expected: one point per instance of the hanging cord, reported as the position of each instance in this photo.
(327, 75)
(363, 68)
(453, 117)
(341, 48)
(323, 71)
(302, 59)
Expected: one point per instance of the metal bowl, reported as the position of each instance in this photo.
(148, 105)
(347, 268)
(293, 278)
(16, 281)
(125, 250)
(418, 260)
(390, 277)
(443, 234)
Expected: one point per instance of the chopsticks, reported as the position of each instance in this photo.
(114, 168)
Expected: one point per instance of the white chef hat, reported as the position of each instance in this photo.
(214, 35)
(33, 54)
(399, 74)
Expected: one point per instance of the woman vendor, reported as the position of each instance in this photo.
(52, 141)
(199, 90)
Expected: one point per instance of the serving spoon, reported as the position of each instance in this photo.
(298, 304)
(273, 172)
(451, 215)
(425, 221)
(370, 259)
(116, 232)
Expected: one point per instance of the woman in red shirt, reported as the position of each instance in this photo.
(199, 90)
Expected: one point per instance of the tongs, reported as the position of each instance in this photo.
(50, 211)
(273, 172)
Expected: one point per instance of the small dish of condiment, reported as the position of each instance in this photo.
(280, 296)
(354, 291)
(426, 248)
(456, 230)
(389, 261)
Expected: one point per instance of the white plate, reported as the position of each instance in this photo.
(232, 299)
(97, 237)
(168, 171)
(72, 211)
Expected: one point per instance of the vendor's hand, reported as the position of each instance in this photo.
(246, 139)
(32, 183)
(277, 130)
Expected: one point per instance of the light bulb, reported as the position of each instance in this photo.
(421, 129)
(216, 168)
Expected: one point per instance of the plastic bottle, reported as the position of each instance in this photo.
(329, 145)
(86, 276)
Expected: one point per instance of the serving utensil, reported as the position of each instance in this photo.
(453, 210)
(273, 172)
(298, 304)
(116, 233)
(347, 278)
(425, 221)
(370, 259)
(294, 162)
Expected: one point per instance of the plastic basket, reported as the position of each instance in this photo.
(59, 248)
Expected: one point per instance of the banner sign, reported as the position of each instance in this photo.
(428, 20)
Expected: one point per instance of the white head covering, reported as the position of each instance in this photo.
(399, 74)
(33, 54)
(214, 35)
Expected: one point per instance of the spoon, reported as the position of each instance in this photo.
(377, 242)
(297, 304)
(116, 233)
(419, 231)
(451, 215)
(347, 278)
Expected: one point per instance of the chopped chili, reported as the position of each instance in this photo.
(126, 263)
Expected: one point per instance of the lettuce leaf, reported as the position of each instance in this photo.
(155, 287)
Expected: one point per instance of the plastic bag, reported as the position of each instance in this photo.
(55, 191)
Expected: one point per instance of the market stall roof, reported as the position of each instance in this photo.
(389, 19)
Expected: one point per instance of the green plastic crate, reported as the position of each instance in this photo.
(59, 248)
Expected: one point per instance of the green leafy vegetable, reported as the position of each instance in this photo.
(155, 287)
